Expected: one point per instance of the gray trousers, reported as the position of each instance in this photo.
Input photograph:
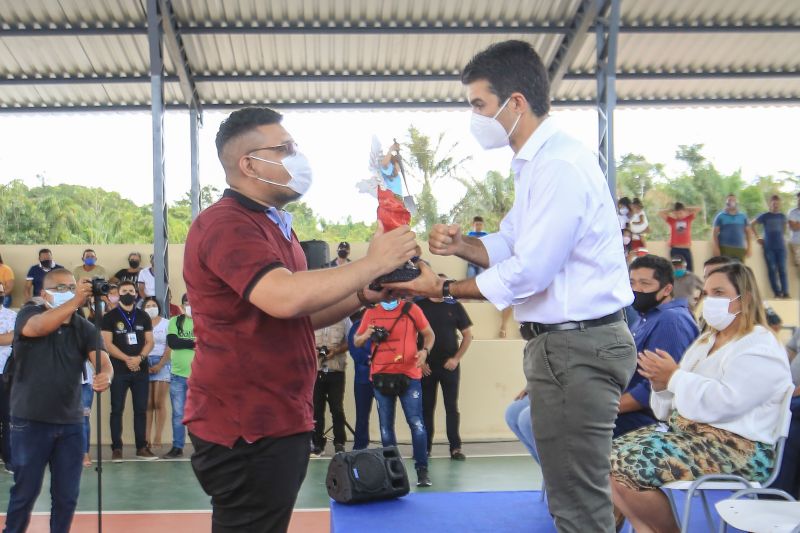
(575, 379)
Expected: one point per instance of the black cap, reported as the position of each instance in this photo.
(677, 260)
(344, 245)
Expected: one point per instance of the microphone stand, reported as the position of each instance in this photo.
(98, 342)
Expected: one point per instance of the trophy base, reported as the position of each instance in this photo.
(406, 272)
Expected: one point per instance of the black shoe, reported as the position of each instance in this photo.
(423, 479)
(456, 455)
(338, 448)
(317, 452)
(174, 453)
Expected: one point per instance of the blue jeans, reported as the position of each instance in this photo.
(87, 395)
(518, 418)
(177, 396)
(411, 401)
(789, 477)
(363, 395)
(7, 301)
(473, 270)
(776, 268)
(34, 446)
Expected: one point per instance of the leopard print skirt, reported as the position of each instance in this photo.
(646, 458)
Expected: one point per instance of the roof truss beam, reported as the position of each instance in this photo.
(572, 43)
(59, 30)
(173, 42)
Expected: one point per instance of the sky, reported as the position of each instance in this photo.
(114, 150)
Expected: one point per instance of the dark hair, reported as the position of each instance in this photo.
(125, 282)
(624, 201)
(45, 251)
(1, 257)
(720, 260)
(662, 269)
(243, 121)
(87, 250)
(137, 254)
(679, 206)
(477, 219)
(775, 197)
(184, 298)
(55, 272)
(636, 201)
(509, 67)
(773, 318)
(152, 299)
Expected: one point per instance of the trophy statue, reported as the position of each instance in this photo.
(394, 209)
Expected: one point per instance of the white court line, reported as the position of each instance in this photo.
(178, 511)
(476, 456)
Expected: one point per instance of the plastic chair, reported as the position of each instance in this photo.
(759, 516)
(728, 481)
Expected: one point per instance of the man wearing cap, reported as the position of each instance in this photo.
(342, 254)
(687, 283)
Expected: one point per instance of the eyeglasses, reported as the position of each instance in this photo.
(287, 148)
(62, 288)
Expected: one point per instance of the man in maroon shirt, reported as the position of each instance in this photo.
(255, 308)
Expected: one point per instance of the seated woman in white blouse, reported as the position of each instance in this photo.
(722, 405)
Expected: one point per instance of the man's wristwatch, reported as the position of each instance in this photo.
(446, 296)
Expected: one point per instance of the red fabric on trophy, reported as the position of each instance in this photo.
(391, 211)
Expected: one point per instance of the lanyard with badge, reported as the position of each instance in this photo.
(132, 340)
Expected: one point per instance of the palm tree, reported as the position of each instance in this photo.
(490, 198)
(429, 162)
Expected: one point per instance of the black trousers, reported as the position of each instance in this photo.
(139, 384)
(5, 433)
(449, 381)
(253, 487)
(329, 388)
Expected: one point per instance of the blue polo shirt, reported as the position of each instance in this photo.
(731, 229)
(774, 225)
(669, 327)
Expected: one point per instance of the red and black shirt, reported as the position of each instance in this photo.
(253, 374)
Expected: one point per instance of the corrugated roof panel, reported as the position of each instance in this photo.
(121, 12)
(710, 11)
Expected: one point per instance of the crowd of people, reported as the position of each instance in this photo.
(613, 408)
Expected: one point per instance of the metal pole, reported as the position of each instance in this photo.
(160, 241)
(606, 32)
(194, 133)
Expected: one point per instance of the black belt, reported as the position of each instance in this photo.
(529, 330)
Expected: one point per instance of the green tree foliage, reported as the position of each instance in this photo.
(429, 161)
(490, 198)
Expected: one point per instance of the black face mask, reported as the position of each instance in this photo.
(645, 301)
(343, 254)
(46, 264)
(133, 263)
(127, 299)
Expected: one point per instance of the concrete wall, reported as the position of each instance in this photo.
(491, 370)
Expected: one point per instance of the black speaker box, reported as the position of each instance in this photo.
(367, 475)
(316, 253)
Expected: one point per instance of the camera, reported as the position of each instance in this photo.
(323, 351)
(100, 287)
(379, 334)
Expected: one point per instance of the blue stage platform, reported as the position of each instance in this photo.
(463, 512)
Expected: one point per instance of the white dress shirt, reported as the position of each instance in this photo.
(558, 256)
(739, 388)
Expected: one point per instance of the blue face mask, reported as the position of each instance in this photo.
(60, 298)
(388, 170)
(89, 261)
(679, 273)
(390, 306)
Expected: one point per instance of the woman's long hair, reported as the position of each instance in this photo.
(753, 312)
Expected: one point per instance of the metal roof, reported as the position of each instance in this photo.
(57, 54)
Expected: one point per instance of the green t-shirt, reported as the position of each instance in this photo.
(182, 359)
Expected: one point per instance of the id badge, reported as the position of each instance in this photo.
(132, 339)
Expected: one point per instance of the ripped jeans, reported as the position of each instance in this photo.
(411, 401)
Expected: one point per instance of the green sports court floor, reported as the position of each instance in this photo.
(164, 496)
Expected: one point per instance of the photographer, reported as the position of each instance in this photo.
(51, 344)
(396, 371)
(331, 361)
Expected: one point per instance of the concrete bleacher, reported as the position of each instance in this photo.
(491, 371)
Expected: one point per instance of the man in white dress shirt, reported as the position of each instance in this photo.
(558, 260)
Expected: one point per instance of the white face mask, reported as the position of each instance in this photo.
(623, 211)
(715, 312)
(152, 311)
(626, 240)
(60, 298)
(188, 311)
(299, 170)
(489, 132)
